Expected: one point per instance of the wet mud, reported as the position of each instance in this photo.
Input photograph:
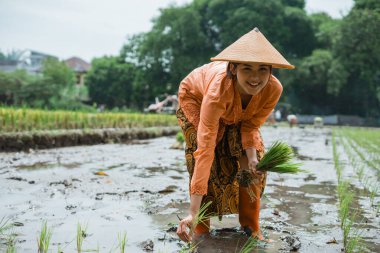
(141, 188)
(26, 141)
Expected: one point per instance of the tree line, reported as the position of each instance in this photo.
(337, 60)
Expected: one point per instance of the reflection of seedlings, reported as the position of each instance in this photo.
(44, 238)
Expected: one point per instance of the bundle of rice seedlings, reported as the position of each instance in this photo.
(277, 159)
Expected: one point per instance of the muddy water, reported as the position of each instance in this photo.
(145, 188)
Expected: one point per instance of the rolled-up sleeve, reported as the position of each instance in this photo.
(211, 110)
(250, 135)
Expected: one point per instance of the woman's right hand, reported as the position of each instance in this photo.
(184, 228)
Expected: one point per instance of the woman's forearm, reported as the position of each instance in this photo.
(251, 153)
(195, 204)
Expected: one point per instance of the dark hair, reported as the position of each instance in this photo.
(229, 73)
(234, 64)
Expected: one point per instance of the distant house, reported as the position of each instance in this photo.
(80, 67)
(29, 60)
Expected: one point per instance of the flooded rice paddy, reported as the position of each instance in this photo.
(142, 187)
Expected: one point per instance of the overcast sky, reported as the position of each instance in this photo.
(93, 28)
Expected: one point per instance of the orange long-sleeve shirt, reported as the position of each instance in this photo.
(210, 99)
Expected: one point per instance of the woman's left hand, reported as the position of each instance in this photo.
(252, 164)
(252, 160)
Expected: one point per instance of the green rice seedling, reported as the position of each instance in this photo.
(278, 159)
(355, 244)
(249, 245)
(373, 192)
(346, 231)
(362, 156)
(81, 235)
(43, 241)
(10, 238)
(189, 248)
(201, 216)
(337, 165)
(352, 236)
(345, 198)
(4, 225)
(122, 239)
(11, 244)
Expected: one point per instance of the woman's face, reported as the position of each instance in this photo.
(251, 77)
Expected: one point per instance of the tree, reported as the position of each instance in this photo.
(110, 81)
(176, 44)
(325, 29)
(315, 85)
(373, 5)
(358, 49)
(50, 88)
(11, 85)
(299, 40)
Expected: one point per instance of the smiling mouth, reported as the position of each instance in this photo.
(253, 84)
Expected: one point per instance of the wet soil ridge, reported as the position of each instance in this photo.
(24, 141)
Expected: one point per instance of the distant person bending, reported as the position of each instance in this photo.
(221, 108)
(292, 120)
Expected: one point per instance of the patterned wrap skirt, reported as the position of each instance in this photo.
(223, 185)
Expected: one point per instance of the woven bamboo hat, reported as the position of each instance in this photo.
(253, 47)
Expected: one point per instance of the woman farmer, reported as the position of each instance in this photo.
(221, 108)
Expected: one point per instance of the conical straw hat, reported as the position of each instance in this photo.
(253, 47)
